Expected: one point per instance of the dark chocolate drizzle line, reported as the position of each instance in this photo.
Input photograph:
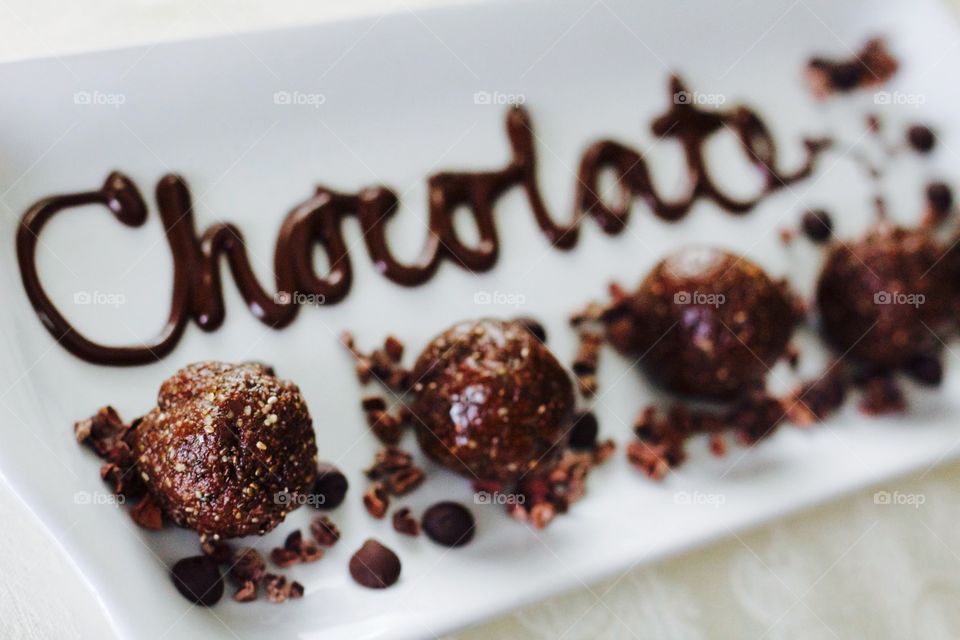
(197, 292)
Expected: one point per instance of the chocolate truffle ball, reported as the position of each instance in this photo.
(705, 323)
(882, 298)
(491, 401)
(228, 449)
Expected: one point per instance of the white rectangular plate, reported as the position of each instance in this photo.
(397, 103)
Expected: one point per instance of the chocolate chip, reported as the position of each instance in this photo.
(925, 369)
(921, 138)
(198, 580)
(330, 487)
(534, 327)
(405, 523)
(375, 566)
(583, 435)
(817, 225)
(248, 566)
(449, 524)
(939, 198)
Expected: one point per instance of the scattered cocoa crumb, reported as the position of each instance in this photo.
(816, 400)
(382, 364)
(542, 495)
(787, 236)
(882, 395)
(123, 481)
(756, 416)
(283, 557)
(247, 592)
(394, 348)
(604, 451)
(102, 431)
(870, 67)
(373, 403)
(279, 589)
(324, 531)
(147, 514)
(376, 500)
(586, 361)
(649, 459)
(248, 566)
(387, 427)
(661, 440)
(395, 471)
(306, 550)
(590, 314)
(405, 523)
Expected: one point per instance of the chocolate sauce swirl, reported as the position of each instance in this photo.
(197, 289)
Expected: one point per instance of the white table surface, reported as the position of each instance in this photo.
(852, 569)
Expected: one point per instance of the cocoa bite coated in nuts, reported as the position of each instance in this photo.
(222, 443)
(492, 401)
(708, 323)
(881, 298)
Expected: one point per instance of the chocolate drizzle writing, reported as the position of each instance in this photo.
(197, 292)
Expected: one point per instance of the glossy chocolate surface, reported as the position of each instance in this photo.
(197, 292)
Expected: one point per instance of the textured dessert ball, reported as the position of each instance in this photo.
(492, 401)
(881, 298)
(706, 323)
(228, 449)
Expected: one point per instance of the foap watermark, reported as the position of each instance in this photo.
(715, 500)
(294, 500)
(299, 99)
(498, 498)
(699, 99)
(99, 298)
(99, 99)
(897, 498)
(298, 298)
(499, 298)
(914, 100)
(98, 498)
(498, 98)
(895, 297)
(699, 297)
